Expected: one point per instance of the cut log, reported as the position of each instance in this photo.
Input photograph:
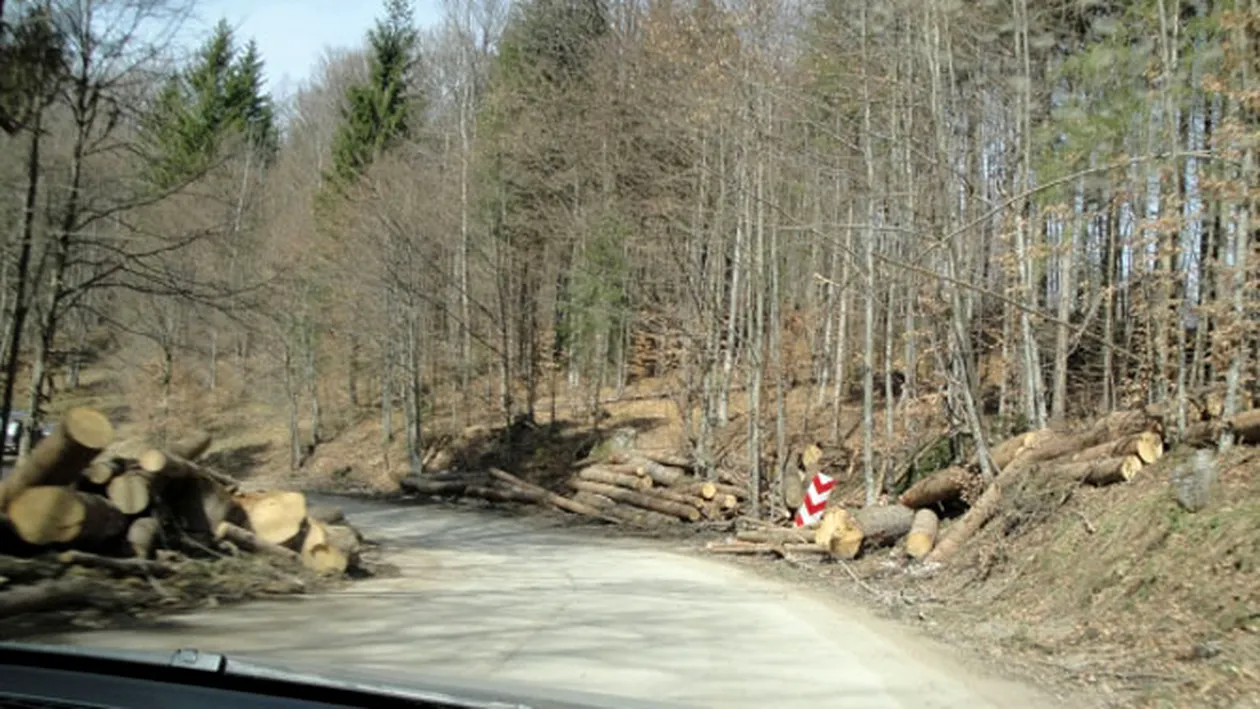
(1118, 424)
(200, 505)
(1098, 471)
(922, 533)
(599, 474)
(846, 542)
(1006, 451)
(639, 499)
(191, 446)
(59, 458)
(746, 548)
(811, 457)
(984, 508)
(326, 514)
(418, 485)
(711, 490)
(646, 519)
(1147, 445)
(168, 465)
(141, 536)
(833, 519)
(61, 515)
(131, 492)
(548, 496)
(776, 536)
(344, 538)
(244, 539)
(793, 489)
(883, 525)
(126, 567)
(101, 470)
(45, 596)
(669, 460)
(275, 515)
(941, 486)
(660, 474)
(680, 496)
(319, 554)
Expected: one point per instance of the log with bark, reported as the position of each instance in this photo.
(660, 474)
(942, 486)
(869, 528)
(710, 490)
(244, 539)
(600, 474)
(1097, 471)
(46, 595)
(751, 548)
(200, 504)
(776, 536)
(169, 465)
(922, 535)
(60, 457)
(60, 515)
(984, 508)
(126, 567)
(548, 496)
(1147, 446)
(639, 499)
(646, 519)
(274, 515)
(1246, 427)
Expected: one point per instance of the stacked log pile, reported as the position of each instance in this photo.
(72, 501)
(624, 486)
(1112, 450)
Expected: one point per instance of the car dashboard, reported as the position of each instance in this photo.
(70, 677)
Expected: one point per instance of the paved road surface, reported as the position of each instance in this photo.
(488, 597)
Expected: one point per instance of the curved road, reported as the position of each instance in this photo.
(485, 597)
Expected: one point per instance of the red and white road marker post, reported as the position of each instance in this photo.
(815, 502)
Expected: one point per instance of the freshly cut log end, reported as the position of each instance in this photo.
(811, 456)
(155, 461)
(1100, 471)
(707, 490)
(192, 446)
(141, 536)
(130, 492)
(846, 543)
(834, 519)
(60, 515)
(922, 534)
(1148, 446)
(319, 552)
(275, 516)
(60, 458)
(101, 470)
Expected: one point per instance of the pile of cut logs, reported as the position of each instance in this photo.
(101, 509)
(1112, 450)
(623, 487)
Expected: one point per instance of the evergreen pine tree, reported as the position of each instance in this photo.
(378, 112)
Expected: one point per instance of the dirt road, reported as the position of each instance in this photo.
(487, 597)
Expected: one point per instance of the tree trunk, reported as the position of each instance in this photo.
(59, 515)
(59, 458)
(922, 534)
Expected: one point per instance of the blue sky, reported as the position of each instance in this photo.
(293, 33)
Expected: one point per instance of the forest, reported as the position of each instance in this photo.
(1034, 210)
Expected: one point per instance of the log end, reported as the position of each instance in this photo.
(152, 461)
(88, 427)
(846, 543)
(1150, 447)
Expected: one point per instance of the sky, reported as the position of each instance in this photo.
(292, 34)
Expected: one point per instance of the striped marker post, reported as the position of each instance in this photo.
(815, 502)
